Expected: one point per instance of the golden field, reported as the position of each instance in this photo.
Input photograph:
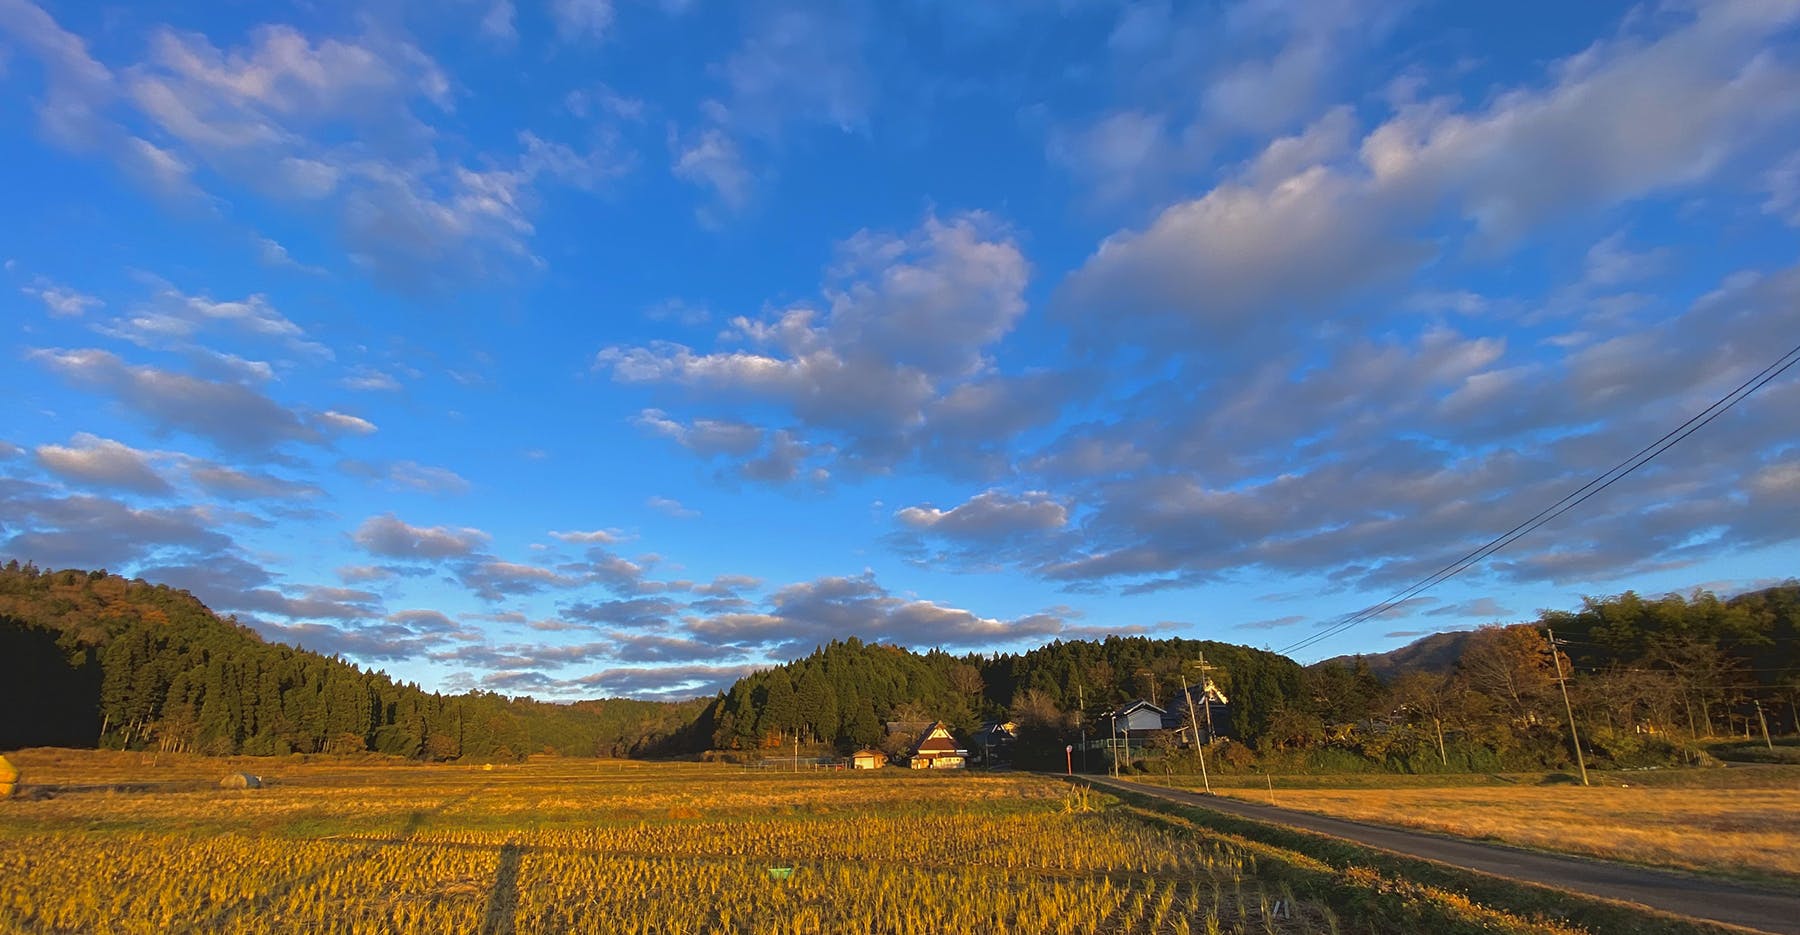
(104, 842)
(107, 842)
(1741, 821)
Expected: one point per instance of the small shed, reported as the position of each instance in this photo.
(240, 781)
(9, 778)
(868, 759)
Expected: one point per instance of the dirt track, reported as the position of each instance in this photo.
(1681, 894)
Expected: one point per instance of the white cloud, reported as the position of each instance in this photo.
(424, 478)
(1299, 231)
(797, 64)
(272, 253)
(671, 507)
(231, 414)
(235, 484)
(497, 22)
(704, 437)
(1783, 186)
(804, 615)
(83, 531)
(173, 319)
(344, 422)
(710, 158)
(272, 114)
(369, 379)
(1626, 117)
(78, 87)
(104, 462)
(582, 19)
(593, 537)
(1238, 257)
(493, 579)
(989, 515)
(1374, 462)
(798, 61)
(906, 323)
(387, 535)
(61, 300)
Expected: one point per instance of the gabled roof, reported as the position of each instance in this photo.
(938, 742)
(1211, 694)
(1132, 706)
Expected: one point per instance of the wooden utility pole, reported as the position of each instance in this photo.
(1765, 724)
(1081, 720)
(1114, 720)
(1574, 738)
(1198, 748)
(1205, 695)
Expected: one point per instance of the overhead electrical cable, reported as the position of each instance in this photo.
(1571, 500)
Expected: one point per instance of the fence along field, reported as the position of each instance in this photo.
(603, 846)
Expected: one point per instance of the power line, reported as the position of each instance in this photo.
(1569, 501)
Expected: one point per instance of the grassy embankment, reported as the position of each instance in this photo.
(107, 842)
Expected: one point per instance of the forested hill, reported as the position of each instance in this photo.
(1653, 679)
(1437, 653)
(88, 658)
(842, 693)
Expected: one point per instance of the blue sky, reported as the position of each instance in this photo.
(596, 347)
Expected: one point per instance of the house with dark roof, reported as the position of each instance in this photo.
(1134, 720)
(1211, 712)
(994, 741)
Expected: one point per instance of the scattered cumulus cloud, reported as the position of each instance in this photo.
(387, 535)
(103, 462)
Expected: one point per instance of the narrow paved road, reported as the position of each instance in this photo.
(1696, 897)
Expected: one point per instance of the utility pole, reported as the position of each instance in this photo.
(1115, 744)
(1206, 695)
(1081, 719)
(1765, 725)
(1198, 748)
(1556, 657)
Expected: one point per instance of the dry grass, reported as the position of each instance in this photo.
(109, 843)
(1738, 822)
(578, 845)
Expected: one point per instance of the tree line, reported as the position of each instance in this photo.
(89, 658)
(1649, 681)
(93, 659)
(843, 695)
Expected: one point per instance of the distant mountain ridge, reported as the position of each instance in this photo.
(1436, 653)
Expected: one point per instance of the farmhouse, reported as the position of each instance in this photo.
(1135, 720)
(1126, 730)
(868, 759)
(994, 741)
(1212, 712)
(938, 750)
